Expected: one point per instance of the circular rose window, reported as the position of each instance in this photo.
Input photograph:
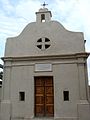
(43, 43)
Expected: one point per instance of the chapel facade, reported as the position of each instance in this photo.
(45, 73)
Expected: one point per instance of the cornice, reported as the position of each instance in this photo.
(46, 57)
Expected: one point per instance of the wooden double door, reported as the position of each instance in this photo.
(44, 97)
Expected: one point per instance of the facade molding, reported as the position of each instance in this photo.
(47, 57)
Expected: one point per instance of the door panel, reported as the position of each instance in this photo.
(39, 90)
(49, 100)
(39, 100)
(49, 110)
(39, 110)
(44, 96)
(49, 90)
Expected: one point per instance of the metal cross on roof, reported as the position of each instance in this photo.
(44, 4)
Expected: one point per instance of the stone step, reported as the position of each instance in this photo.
(45, 118)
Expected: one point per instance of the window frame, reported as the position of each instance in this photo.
(21, 96)
(66, 95)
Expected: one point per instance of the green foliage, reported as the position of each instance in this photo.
(1, 66)
(1, 75)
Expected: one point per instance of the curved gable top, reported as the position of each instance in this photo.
(61, 41)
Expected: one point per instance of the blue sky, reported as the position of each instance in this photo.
(16, 14)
